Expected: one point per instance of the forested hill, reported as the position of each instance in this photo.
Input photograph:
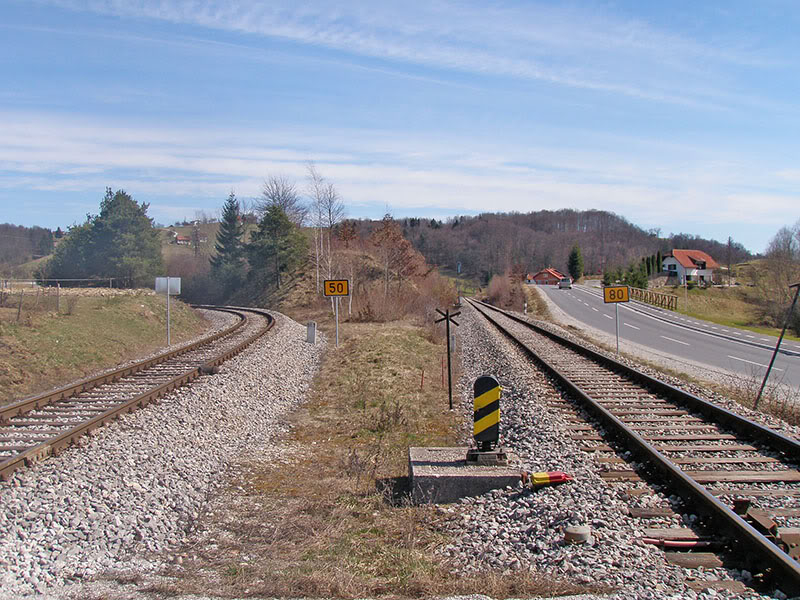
(20, 244)
(493, 243)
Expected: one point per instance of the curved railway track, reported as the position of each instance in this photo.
(40, 426)
(719, 463)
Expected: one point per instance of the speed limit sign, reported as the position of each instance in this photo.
(336, 287)
(617, 293)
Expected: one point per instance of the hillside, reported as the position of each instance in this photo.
(492, 243)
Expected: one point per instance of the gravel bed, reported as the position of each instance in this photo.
(133, 489)
(524, 529)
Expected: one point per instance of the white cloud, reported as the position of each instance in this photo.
(661, 183)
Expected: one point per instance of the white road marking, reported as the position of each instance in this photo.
(726, 331)
(676, 341)
(594, 309)
(764, 339)
(714, 328)
(736, 333)
(631, 326)
(753, 363)
(608, 316)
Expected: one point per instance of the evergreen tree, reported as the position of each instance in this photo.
(120, 242)
(229, 245)
(575, 263)
(277, 246)
(659, 262)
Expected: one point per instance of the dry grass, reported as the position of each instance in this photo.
(537, 306)
(330, 517)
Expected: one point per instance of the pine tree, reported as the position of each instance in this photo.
(120, 242)
(575, 263)
(229, 246)
(277, 247)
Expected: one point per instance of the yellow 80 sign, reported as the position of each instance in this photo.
(336, 287)
(618, 293)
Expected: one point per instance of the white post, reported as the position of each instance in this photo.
(337, 321)
(616, 310)
(168, 338)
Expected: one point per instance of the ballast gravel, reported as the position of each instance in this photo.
(135, 487)
(524, 529)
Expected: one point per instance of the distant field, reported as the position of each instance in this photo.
(45, 349)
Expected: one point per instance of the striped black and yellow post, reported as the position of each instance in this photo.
(486, 430)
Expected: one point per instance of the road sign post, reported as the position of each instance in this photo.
(616, 294)
(336, 288)
(169, 286)
(447, 317)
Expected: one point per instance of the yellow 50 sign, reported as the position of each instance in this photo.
(619, 293)
(336, 287)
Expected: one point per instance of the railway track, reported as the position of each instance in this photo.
(43, 425)
(740, 477)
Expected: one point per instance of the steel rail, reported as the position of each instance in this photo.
(41, 400)
(758, 550)
(54, 445)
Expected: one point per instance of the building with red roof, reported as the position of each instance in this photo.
(690, 265)
(547, 276)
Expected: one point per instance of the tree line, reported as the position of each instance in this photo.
(494, 243)
(19, 244)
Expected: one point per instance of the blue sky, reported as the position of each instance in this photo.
(681, 116)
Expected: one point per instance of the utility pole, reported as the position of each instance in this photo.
(780, 339)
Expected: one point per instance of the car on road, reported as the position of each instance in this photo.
(565, 284)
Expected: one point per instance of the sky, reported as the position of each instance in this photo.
(680, 116)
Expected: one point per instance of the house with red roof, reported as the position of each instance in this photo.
(547, 276)
(690, 265)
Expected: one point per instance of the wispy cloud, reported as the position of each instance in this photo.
(562, 46)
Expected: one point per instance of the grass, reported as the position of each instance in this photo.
(45, 349)
(331, 518)
(727, 306)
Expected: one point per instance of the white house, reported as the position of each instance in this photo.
(689, 265)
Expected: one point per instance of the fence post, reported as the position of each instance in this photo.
(58, 297)
(19, 308)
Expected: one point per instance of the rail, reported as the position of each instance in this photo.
(64, 439)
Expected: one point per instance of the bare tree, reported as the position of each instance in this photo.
(327, 211)
(279, 191)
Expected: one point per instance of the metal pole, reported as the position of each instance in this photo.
(337, 321)
(686, 290)
(449, 372)
(616, 311)
(780, 339)
(168, 338)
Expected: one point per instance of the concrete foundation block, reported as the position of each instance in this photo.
(442, 475)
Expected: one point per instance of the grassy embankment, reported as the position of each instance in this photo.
(45, 348)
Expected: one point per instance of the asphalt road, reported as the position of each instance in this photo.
(734, 350)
